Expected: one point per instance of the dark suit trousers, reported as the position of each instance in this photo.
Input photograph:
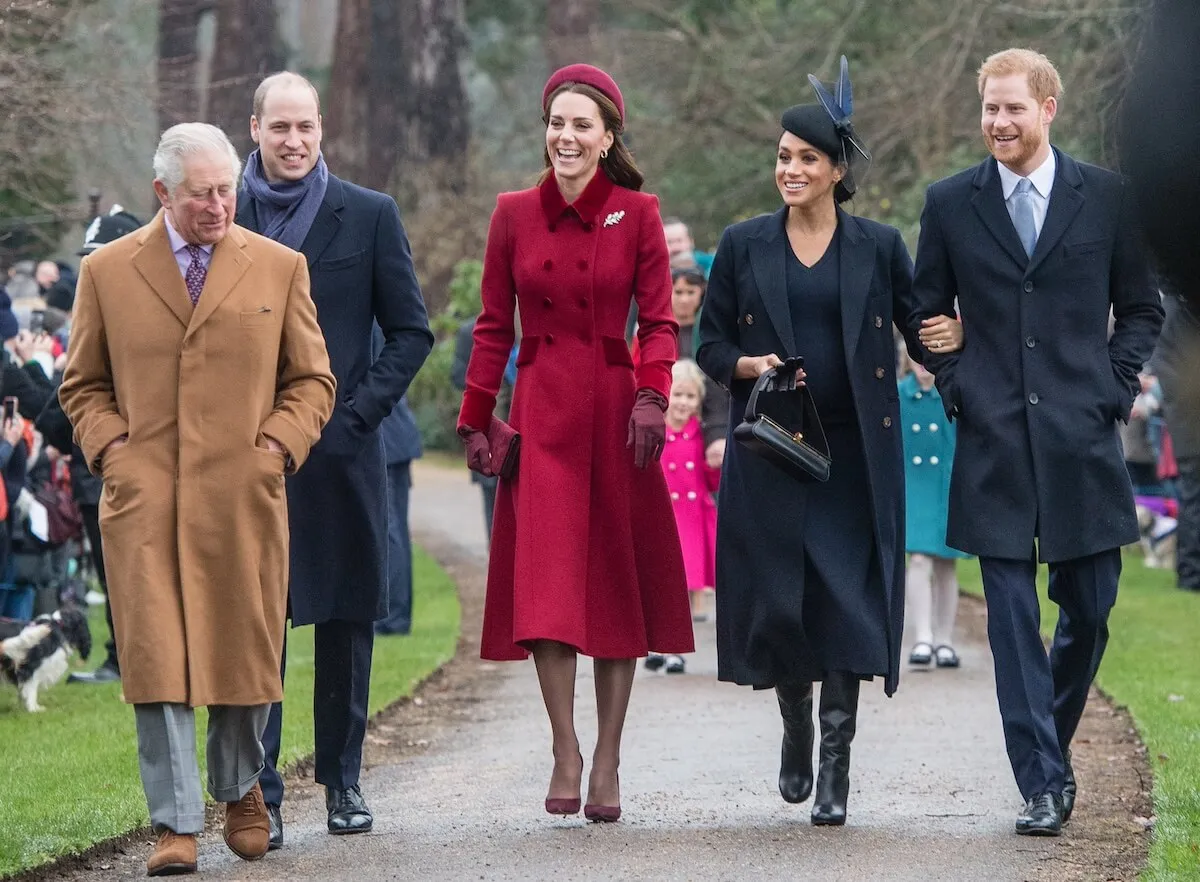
(400, 574)
(342, 677)
(91, 525)
(1042, 698)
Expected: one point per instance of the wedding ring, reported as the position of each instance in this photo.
(937, 344)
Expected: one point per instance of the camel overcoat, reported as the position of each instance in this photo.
(193, 515)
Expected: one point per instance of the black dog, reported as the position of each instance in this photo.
(34, 654)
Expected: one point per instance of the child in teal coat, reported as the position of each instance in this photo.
(931, 599)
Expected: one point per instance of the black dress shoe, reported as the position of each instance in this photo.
(1069, 788)
(106, 673)
(275, 819)
(795, 765)
(1042, 816)
(348, 812)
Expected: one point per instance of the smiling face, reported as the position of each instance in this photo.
(288, 132)
(684, 402)
(804, 175)
(202, 207)
(1016, 126)
(575, 137)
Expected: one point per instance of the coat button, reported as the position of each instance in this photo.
(691, 494)
(547, 264)
(670, 437)
(887, 422)
(1030, 342)
(674, 497)
(584, 303)
(933, 427)
(689, 466)
(1029, 287)
(553, 227)
(916, 460)
(549, 338)
(933, 460)
(879, 321)
(919, 395)
(879, 373)
(1033, 398)
(916, 427)
(671, 467)
(749, 319)
(547, 302)
(583, 264)
(587, 226)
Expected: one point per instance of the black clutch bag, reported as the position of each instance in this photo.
(782, 425)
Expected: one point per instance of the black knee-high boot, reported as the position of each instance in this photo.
(795, 765)
(839, 715)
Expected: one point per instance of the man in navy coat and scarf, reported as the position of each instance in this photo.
(362, 275)
(1037, 250)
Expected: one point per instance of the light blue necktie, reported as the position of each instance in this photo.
(1023, 215)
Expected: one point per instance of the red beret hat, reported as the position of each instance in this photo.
(589, 76)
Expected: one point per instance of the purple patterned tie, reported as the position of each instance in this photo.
(195, 275)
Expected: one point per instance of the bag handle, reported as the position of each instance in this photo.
(781, 378)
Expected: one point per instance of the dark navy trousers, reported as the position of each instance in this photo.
(400, 566)
(341, 680)
(1042, 697)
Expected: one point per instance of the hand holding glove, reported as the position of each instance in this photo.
(479, 454)
(647, 427)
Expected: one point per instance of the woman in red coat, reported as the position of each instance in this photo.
(584, 557)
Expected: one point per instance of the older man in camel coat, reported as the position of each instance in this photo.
(197, 376)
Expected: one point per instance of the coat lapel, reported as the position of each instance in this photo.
(1065, 201)
(856, 266)
(768, 261)
(989, 203)
(229, 263)
(157, 265)
(326, 224)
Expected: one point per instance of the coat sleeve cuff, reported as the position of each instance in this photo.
(477, 409)
(101, 435)
(294, 441)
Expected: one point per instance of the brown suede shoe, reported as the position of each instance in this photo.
(174, 855)
(247, 827)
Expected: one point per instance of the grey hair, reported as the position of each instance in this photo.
(189, 139)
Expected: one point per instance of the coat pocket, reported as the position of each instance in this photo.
(616, 351)
(258, 318)
(1080, 249)
(331, 264)
(529, 348)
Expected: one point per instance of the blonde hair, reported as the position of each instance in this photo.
(687, 371)
(1039, 71)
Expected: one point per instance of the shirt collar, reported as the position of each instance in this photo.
(1042, 177)
(178, 243)
(586, 207)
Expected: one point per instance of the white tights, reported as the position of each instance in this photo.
(931, 599)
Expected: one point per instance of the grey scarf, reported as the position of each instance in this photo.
(286, 210)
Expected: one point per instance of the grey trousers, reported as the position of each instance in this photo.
(166, 736)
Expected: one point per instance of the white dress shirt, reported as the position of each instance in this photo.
(1042, 179)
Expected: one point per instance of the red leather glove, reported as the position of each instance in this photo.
(479, 454)
(647, 427)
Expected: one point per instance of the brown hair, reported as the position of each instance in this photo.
(1040, 72)
(619, 164)
(278, 79)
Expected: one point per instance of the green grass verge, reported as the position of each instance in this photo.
(1151, 668)
(70, 775)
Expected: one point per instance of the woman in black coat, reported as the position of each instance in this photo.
(810, 577)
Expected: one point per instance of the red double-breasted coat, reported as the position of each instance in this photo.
(584, 547)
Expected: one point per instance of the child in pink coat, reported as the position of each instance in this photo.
(691, 483)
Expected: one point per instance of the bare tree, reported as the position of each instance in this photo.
(345, 116)
(571, 27)
(178, 56)
(246, 50)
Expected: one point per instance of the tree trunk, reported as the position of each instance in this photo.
(420, 135)
(246, 50)
(345, 142)
(570, 29)
(178, 54)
